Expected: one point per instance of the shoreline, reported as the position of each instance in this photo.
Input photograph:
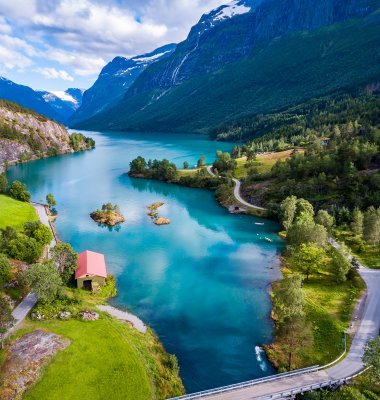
(117, 313)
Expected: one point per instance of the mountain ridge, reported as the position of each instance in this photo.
(227, 63)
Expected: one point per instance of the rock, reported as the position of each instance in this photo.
(64, 315)
(154, 206)
(162, 221)
(25, 359)
(88, 315)
(37, 316)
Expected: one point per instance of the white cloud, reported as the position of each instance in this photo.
(82, 35)
(13, 59)
(83, 64)
(4, 26)
(52, 73)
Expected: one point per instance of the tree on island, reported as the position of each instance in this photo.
(138, 166)
(185, 165)
(109, 207)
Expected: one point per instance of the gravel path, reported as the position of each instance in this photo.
(124, 316)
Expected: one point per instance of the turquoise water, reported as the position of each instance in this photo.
(201, 283)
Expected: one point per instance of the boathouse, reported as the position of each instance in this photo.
(91, 271)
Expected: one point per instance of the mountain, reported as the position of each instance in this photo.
(251, 57)
(114, 81)
(27, 97)
(26, 135)
(64, 103)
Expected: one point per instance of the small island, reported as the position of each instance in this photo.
(109, 215)
(153, 213)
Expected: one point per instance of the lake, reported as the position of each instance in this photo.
(201, 283)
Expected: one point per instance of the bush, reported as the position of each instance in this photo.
(19, 191)
(24, 248)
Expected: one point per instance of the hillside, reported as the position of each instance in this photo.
(114, 81)
(26, 135)
(275, 55)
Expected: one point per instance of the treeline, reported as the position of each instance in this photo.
(301, 124)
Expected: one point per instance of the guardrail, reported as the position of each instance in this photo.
(241, 385)
(309, 388)
(258, 381)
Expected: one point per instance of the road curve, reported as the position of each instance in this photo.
(237, 191)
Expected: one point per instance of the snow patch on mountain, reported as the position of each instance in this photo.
(151, 58)
(65, 96)
(236, 7)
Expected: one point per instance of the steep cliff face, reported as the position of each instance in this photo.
(26, 135)
(252, 57)
(114, 81)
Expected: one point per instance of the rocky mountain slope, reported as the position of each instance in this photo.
(253, 57)
(114, 81)
(26, 135)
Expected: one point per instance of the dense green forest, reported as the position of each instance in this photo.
(304, 122)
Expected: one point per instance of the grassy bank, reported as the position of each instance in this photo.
(318, 338)
(107, 358)
(15, 213)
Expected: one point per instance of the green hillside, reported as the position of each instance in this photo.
(288, 71)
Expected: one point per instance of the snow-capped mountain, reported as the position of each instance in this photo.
(27, 97)
(65, 103)
(231, 57)
(114, 81)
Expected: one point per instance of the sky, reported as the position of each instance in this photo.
(56, 44)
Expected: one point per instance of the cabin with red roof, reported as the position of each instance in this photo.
(91, 271)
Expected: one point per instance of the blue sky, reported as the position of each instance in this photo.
(56, 44)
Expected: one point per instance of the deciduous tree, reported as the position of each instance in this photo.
(66, 260)
(308, 259)
(45, 280)
(19, 191)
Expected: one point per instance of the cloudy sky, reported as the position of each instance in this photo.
(56, 44)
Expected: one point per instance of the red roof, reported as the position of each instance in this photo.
(91, 263)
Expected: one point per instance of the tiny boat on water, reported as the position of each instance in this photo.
(259, 223)
(268, 240)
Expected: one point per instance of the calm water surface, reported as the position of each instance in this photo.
(201, 283)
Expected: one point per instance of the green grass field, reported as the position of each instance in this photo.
(15, 213)
(106, 359)
(263, 163)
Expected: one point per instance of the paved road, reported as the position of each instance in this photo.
(23, 309)
(351, 365)
(237, 192)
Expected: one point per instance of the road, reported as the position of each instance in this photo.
(237, 191)
(23, 309)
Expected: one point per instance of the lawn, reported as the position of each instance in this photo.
(106, 359)
(263, 163)
(15, 213)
